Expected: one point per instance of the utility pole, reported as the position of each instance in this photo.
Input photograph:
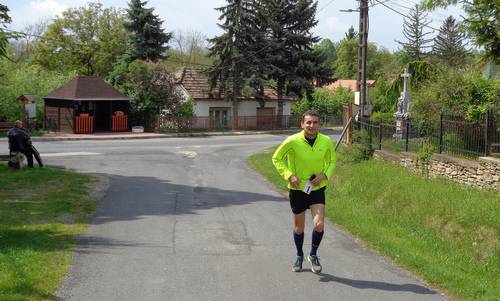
(362, 51)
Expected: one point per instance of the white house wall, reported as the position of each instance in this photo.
(246, 108)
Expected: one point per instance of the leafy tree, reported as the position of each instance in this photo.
(327, 48)
(87, 39)
(448, 44)
(26, 78)
(148, 38)
(232, 49)
(325, 102)
(151, 88)
(413, 30)
(23, 48)
(481, 22)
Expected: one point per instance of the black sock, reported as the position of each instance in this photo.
(316, 240)
(299, 241)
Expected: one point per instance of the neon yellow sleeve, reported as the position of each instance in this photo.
(279, 159)
(330, 160)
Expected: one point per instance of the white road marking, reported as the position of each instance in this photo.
(188, 154)
(69, 154)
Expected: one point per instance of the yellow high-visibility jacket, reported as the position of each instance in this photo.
(295, 156)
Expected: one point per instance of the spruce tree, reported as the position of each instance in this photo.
(289, 43)
(148, 39)
(232, 50)
(449, 44)
(413, 30)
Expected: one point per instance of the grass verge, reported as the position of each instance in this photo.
(446, 233)
(41, 212)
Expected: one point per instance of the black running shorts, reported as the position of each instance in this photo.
(300, 201)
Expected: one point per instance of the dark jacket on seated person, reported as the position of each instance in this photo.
(18, 140)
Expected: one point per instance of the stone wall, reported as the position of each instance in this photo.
(484, 172)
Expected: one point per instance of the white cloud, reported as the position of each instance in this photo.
(40, 9)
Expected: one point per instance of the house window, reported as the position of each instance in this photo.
(219, 117)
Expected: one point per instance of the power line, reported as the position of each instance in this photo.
(406, 16)
(324, 6)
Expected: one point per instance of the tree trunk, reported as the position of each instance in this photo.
(280, 88)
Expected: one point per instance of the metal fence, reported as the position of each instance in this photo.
(449, 134)
(228, 123)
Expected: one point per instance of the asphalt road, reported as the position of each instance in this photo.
(185, 219)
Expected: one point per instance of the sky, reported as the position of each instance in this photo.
(385, 25)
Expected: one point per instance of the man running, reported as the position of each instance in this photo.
(307, 160)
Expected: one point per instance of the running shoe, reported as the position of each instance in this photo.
(297, 266)
(315, 265)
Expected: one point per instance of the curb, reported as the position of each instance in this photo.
(130, 136)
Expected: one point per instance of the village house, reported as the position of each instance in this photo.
(213, 110)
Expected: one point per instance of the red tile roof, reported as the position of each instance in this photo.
(195, 82)
(349, 84)
(86, 88)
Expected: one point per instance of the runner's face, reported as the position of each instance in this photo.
(310, 124)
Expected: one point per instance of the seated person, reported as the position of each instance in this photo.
(19, 141)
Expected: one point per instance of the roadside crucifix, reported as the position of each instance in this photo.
(403, 108)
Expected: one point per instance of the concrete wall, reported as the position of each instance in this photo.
(484, 173)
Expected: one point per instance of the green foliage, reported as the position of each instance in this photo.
(186, 108)
(347, 64)
(324, 101)
(149, 41)
(382, 117)
(424, 156)
(455, 92)
(361, 149)
(150, 86)
(30, 79)
(481, 22)
(87, 39)
(4, 37)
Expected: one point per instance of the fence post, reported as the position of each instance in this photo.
(370, 134)
(407, 134)
(486, 129)
(441, 133)
(380, 136)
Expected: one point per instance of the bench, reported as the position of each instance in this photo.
(6, 125)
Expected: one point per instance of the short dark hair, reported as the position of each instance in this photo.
(309, 113)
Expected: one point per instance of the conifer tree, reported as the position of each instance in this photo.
(448, 44)
(413, 30)
(232, 50)
(289, 43)
(148, 39)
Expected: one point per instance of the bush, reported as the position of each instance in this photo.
(361, 149)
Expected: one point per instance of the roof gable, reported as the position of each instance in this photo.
(86, 88)
(195, 82)
(350, 84)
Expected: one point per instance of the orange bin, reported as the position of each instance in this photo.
(119, 123)
(84, 124)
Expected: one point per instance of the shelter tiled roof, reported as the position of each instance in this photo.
(86, 88)
(349, 84)
(195, 82)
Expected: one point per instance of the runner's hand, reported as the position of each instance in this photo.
(317, 180)
(294, 181)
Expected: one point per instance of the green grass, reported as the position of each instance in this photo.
(41, 212)
(446, 233)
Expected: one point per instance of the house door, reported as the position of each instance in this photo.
(219, 118)
(265, 118)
